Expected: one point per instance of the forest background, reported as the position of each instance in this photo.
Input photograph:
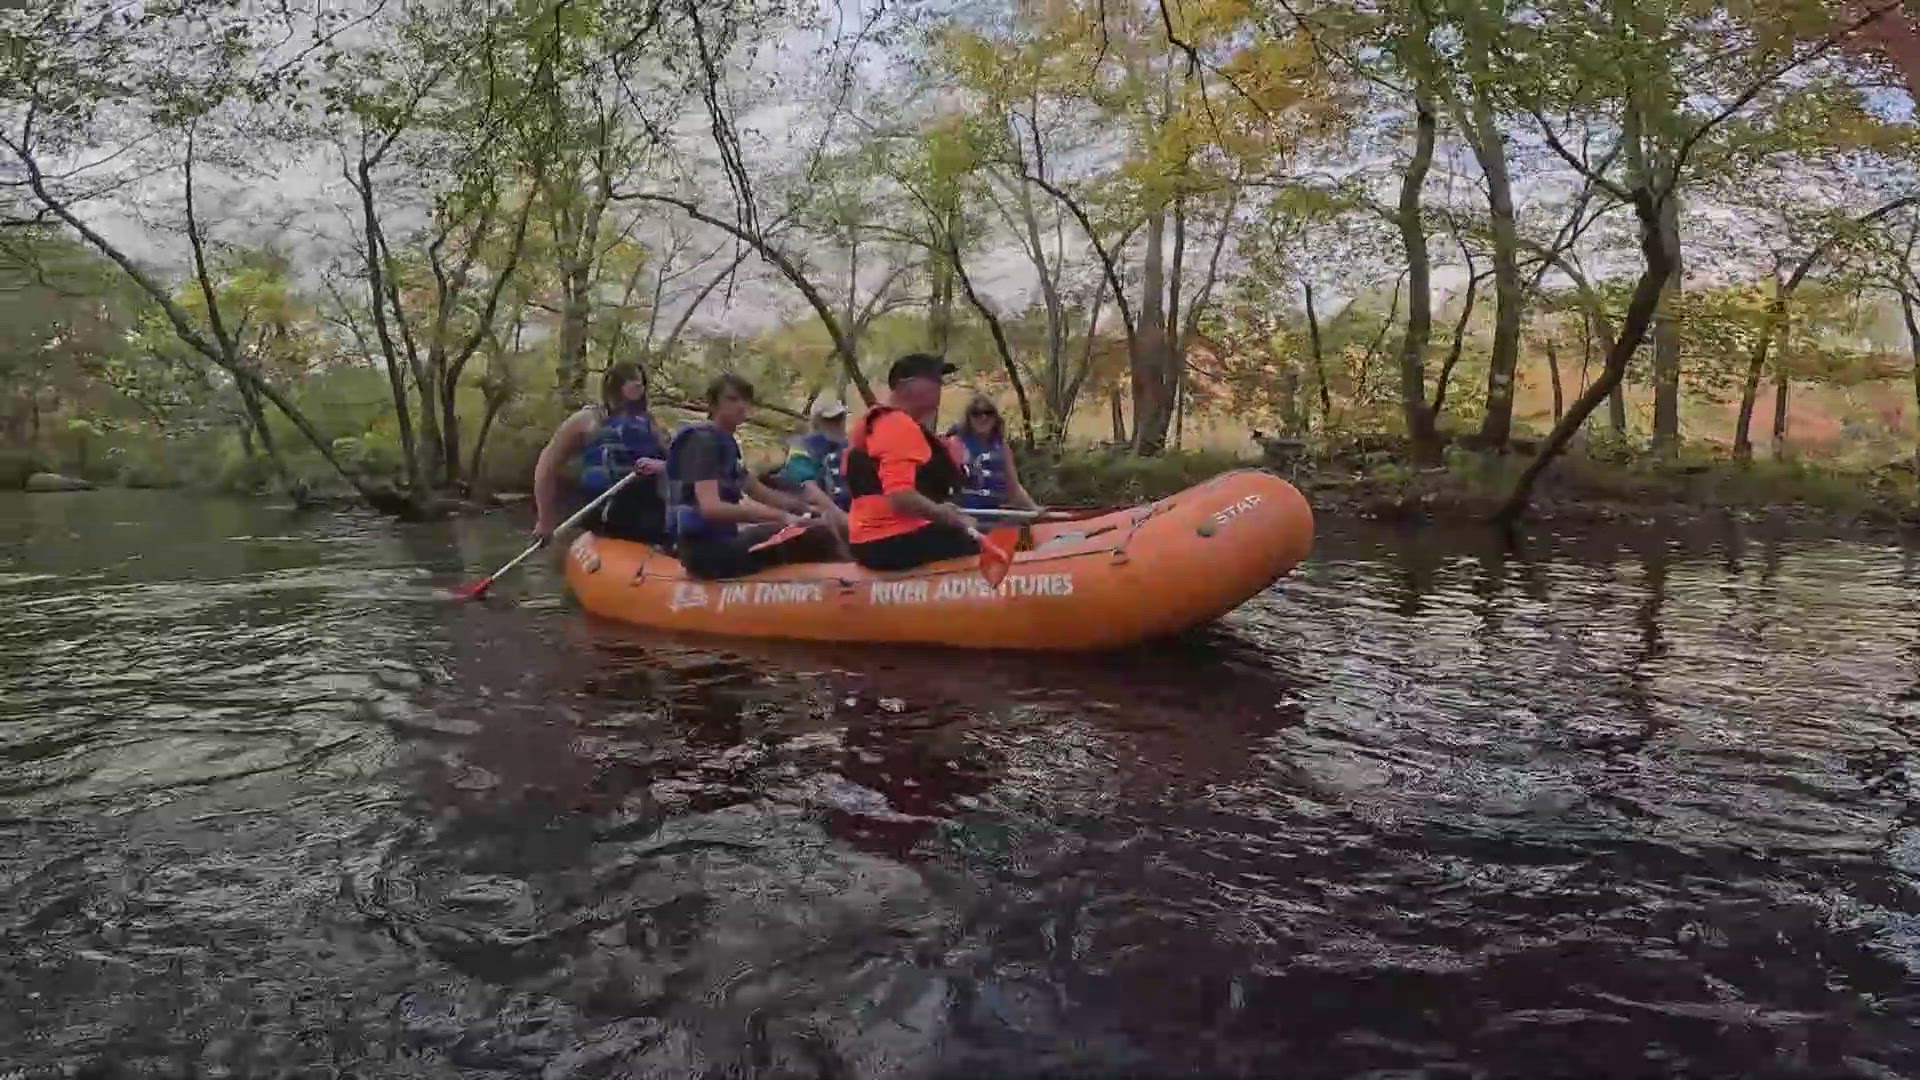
(1431, 248)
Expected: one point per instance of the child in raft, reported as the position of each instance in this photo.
(720, 513)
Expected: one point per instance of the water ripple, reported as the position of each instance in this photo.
(1620, 804)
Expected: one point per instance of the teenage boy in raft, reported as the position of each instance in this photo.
(720, 511)
(902, 476)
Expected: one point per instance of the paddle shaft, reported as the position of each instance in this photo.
(577, 518)
(1039, 515)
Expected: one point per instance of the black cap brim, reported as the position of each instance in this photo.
(919, 371)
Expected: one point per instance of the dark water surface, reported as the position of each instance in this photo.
(1627, 805)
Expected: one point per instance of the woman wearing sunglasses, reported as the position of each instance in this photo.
(991, 480)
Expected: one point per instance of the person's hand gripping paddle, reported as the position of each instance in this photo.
(996, 553)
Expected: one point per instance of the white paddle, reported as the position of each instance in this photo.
(479, 588)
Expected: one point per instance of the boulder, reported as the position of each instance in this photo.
(46, 481)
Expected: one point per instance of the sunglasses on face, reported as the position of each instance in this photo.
(982, 412)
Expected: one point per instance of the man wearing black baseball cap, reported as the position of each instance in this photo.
(902, 478)
(920, 365)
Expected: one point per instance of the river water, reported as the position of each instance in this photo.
(1636, 803)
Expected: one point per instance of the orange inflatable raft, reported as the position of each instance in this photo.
(1096, 583)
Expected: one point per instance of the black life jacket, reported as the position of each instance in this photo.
(937, 478)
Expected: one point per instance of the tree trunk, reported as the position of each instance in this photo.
(1599, 330)
(1496, 427)
(1119, 417)
(1908, 311)
(1179, 404)
(495, 402)
(1289, 395)
(1666, 340)
(257, 418)
(1780, 411)
(1659, 262)
(940, 307)
(1445, 378)
(576, 231)
(1421, 435)
(402, 409)
(446, 359)
(1055, 386)
(1060, 413)
(1553, 372)
(1319, 361)
(1756, 370)
(1586, 346)
(450, 432)
(574, 326)
(1000, 343)
(1151, 356)
(379, 291)
(1776, 319)
(432, 455)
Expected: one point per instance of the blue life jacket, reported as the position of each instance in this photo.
(828, 453)
(621, 439)
(985, 485)
(685, 518)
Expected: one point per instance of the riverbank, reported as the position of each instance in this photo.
(1583, 489)
(1378, 482)
(1469, 486)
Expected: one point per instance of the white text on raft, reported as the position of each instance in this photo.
(688, 594)
(732, 594)
(1236, 509)
(924, 590)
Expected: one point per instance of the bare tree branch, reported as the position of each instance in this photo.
(787, 267)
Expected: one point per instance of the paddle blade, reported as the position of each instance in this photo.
(780, 537)
(996, 557)
(475, 591)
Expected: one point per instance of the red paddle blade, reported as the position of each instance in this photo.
(780, 537)
(474, 591)
(996, 557)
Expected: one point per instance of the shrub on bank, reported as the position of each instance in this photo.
(1078, 477)
(512, 450)
(231, 471)
(1472, 484)
(18, 463)
(376, 454)
(149, 472)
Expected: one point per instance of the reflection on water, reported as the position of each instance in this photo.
(1637, 803)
